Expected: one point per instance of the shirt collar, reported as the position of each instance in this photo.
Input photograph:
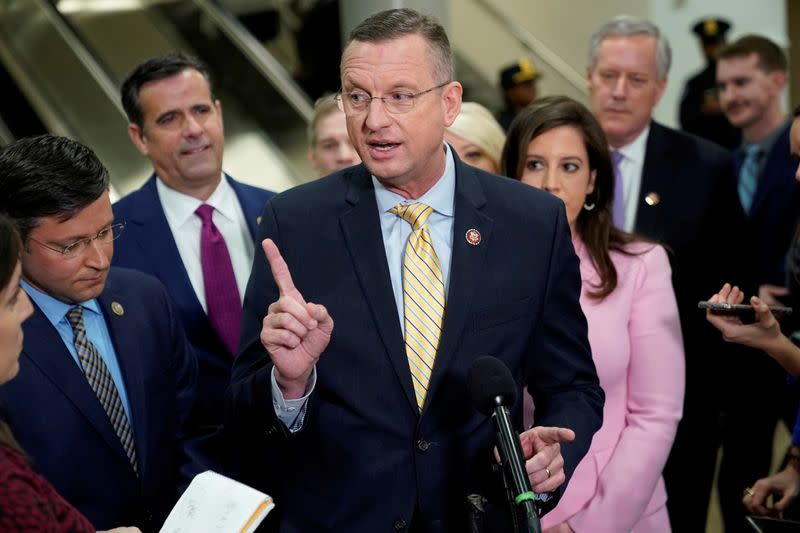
(180, 207)
(767, 142)
(54, 309)
(635, 150)
(440, 197)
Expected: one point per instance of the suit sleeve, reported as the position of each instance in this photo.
(560, 373)
(192, 438)
(250, 411)
(654, 404)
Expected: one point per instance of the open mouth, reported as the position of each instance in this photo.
(197, 150)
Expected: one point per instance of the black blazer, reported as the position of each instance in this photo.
(365, 458)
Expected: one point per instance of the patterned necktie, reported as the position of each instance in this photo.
(99, 378)
(423, 296)
(748, 175)
(224, 308)
(619, 191)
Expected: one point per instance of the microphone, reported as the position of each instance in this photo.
(493, 391)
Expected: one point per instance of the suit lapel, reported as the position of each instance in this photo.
(125, 340)
(466, 266)
(45, 349)
(655, 179)
(362, 233)
(250, 207)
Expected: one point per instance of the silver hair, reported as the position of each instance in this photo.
(626, 25)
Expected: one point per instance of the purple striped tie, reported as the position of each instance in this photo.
(222, 294)
(619, 191)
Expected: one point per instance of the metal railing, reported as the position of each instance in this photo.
(536, 46)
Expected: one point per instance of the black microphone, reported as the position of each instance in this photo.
(493, 390)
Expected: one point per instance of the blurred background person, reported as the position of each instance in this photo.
(679, 190)
(518, 83)
(329, 145)
(780, 341)
(751, 75)
(476, 137)
(557, 145)
(700, 110)
(27, 501)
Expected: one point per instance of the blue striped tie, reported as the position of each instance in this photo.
(99, 378)
(423, 297)
(748, 175)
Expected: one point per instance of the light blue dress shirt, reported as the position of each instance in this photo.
(96, 330)
(395, 230)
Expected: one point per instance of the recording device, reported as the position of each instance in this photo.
(745, 312)
(493, 391)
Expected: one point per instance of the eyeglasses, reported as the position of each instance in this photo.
(396, 102)
(105, 236)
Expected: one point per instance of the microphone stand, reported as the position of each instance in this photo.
(521, 498)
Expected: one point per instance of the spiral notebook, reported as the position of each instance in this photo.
(214, 503)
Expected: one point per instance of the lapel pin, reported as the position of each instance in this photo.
(652, 199)
(473, 237)
(258, 220)
(117, 308)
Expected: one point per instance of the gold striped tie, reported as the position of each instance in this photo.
(423, 296)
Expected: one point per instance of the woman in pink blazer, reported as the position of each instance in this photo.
(634, 331)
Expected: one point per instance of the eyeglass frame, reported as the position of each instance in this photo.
(66, 251)
(413, 98)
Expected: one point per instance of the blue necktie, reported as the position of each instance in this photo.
(748, 175)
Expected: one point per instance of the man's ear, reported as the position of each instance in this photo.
(137, 138)
(451, 99)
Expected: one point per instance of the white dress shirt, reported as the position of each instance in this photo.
(631, 169)
(185, 226)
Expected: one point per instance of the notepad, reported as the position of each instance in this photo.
(214, 503)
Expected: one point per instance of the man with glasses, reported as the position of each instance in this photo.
(107, 379)
(425, 264)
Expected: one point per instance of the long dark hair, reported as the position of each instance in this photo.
(595, 226)
(10, 247)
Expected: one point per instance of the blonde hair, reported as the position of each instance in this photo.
(477, 125)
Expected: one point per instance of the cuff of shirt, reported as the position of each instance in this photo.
(291, 412)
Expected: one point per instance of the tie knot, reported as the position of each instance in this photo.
(616, 157)
(415, 214)
(75, 316)
(205, 212)
(752, 151)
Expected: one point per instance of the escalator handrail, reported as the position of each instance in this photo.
(258, 56)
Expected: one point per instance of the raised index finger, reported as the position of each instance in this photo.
(280, 270)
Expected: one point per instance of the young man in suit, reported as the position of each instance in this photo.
(751, 75)
(369, 420)
(105, 393)
(679, 190)
(191, 226)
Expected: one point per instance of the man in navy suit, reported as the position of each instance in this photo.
(677, 189)
(176, 122)
(105, 393)
(751, 75)
(351, 432)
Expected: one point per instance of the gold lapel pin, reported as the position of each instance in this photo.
(258, 220)
(117, 308)
(652, 199)
(473, 237)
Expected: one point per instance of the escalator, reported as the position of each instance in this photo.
(68, 59)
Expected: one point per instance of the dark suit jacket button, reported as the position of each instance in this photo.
(400, 524)
(423, 445)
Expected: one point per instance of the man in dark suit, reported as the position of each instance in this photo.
(107, 381)
(176, 122)
(368, 425)
(677, 189)
(751, 75)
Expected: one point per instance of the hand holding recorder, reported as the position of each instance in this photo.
(725, 311)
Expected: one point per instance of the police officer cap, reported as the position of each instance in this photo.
(711, 30)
